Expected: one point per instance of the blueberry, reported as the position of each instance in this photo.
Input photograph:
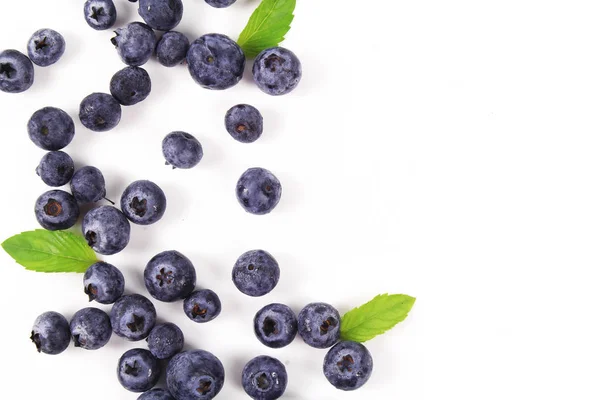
(51, 333)
(215, 61)
(244, 123)
(45, 47)
(220, 3)
(172, 48)
(51, 128)
(348, 365)
(138, 370)
(165, 340)
(133, 317)
(162, 15)
(277, 71)
(264, 378)
(99, 112)
(202, 306)
(319, 325)
(258, 191)
(16, 72)
(255, 273)
(100, 14)
(182, 150)
(130, 85)
(88, 185)
(195, 375)
(170, 276)
(275, 325)
(143, 202)
(156, 394)
(103, 282)
(135, 43)
(106, 230)
(56, 210)
(56, 168)
(90, 328)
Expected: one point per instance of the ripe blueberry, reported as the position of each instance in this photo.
(16, 72)
(172, 48)
(348, 365)
(45, 47)
(135, 43)
(133, 317)
(258, 191)
(162, 15)
(244, 123)
(156, 394)
(215, 61)
(138, 370)
(255, 273)
(51, 128)
(202, 306)
(264, 378)
(90, 328)
(165, 340)
(100, 14)
(100, 112)
(88, 185)
(275, 325)
(130, 85)
(51, 333)
(103, 282)
(56, 210)
(56, 168)
(195, 374)
(143, 202)
(182, 150)
(319, 325)
(106, 230)
(170, 276)
(277, 71)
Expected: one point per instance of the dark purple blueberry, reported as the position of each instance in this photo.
(130, 85)
(143, 202)
(165, 340)
(255, 273)
(348, 365)
(156, 394)
(264, 378)
(103, 282)
(172, 48)
(133, 317)
(275, 325)
(162, 15)
(90, 328)
(100, 112)
(56, 168)
(182, 150)
(220, 3)
(138, 370)
(51, 128)
(258, 191)
(100, 14)
(106, 230)
(319, 325)
(277, 71)
(135, 43)
(195, 374)
(56, 210)
(215, 61)
(244, 123)
(170, 276)
(16, 72)
(45, 47)
(88, 185)
(51, 333)
(202, 306)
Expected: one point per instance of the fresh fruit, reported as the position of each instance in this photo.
(45, 47)
(88, 185)
(16, 71)
(277, 71)
(51, 128)
(348, 365)
(182, 150)
(172, 48)
(275, 325)
(215, 61)
(135, 43)
(130, 85)
(244, 123)
(56, 168)
(202, 306)
(103, 282)
(165, 340)
(195, 374)
(220, 3)
(100, 14)
(258, 191)
(156, 394)
(51, 333)
(143, 202)
(56, 210)
(170, 276)
(133, 317)
(255, 273)
(138, 370)
(319, 325)
(99, 112)
(162, 15)
(106, 230)
(90, 328)
(264, 378)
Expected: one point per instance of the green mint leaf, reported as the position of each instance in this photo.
(50, 251)
(375, 317)
(267, 26)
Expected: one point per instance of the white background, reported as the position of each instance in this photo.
(444, 149)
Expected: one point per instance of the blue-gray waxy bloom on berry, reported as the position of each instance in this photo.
(56, 210)
(156, 394)
(275, 325)
(135, 43)
(182, 150)
(195, 375)
(88, 185)
(45, 47)
(90, 328)
(51, 333)
(100, 14)
(277, 71)
(138, 370)
(319, 325)
(133, 317)
(264, 378)
(348, 365)
(51, 128)
(106, 230)
(220, 3)
(56, 168)
(103, 282)
(16, 72)
(258, 191)
(170, 276)
(162, 15)
(165, 340)
(99, 112)
(255, 273)
(215, 61)
(244, 123)
(130, 85)
(172, 48)
(202, 306)
(143, 202)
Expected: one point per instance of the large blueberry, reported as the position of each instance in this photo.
(319, 325)
(195, 375)
(220, 3)
(90, 328)
(215, 61)
(45, 47)
(56, 210)
(88, 185)
(106, 230)
(275, 325)
(156, 394)
(255, 273)
(258, 191)
(138, 370)
(162, 15)
(56, 168)
(348, 365)
(51, 333)
(170, 276)
(264, 378)
(133, 317)
(202, 306)
(51, 128)
(244, 123)
(135, 43)
(277, 71)
(99, 112)
(165, 340)
(16, 72)
(143, 202)
(172, 48)
(100, 14)
(103, 282)
(182, 150)
(130, 85)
